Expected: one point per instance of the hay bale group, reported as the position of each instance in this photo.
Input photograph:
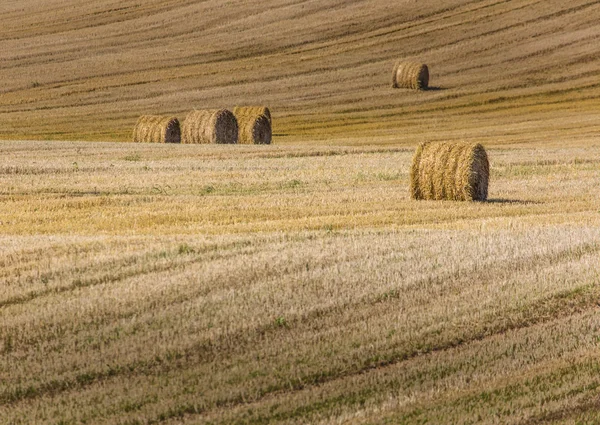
(439, 171)
(250, 125)
(247, 124)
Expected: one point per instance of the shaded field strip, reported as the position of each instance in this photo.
(48, 105)
(397, 380)
(357, 397)
(552, 308)
(504, 105)
(559, 305)
(564, 413)
(517, 387)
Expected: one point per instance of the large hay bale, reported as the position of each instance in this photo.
(410, 75)
(452, 171)
(254, 129)
(157, 129)
(252, 110)
(210, 126)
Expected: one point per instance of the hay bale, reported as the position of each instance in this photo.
(254, 129)
(252, 110)
(157, 129)
(452, 171)
(210, 126)
(410, 75)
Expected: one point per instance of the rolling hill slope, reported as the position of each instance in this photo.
(503, 71)
(145, 284)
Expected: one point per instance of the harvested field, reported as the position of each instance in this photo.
(205, 283)
(194, 284)
(502, 71)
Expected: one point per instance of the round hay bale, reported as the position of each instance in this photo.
(410, 75)
(254, 129)
(451, 171)
(210, 126)
(252, 110)
(157, 129)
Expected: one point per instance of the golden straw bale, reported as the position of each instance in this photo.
(410, 75)
(157, 129)
(210, 126)
(451, 171)
(254, 129)
(252, 110)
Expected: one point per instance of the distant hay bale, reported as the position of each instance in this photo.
(254, 127)
(451, 171)
(410, 75)
(252, 110)
(210, 126)
(157, 129)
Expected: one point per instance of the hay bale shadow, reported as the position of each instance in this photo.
(511, 201)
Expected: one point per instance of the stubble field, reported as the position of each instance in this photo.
(228, 284)
(502, 71)
(298, 283)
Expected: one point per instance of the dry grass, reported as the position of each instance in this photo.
(450, 171)
(192, 284)
(212, 126)
(157, 129)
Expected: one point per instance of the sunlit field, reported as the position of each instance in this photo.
(298, 283)
(235, 284)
